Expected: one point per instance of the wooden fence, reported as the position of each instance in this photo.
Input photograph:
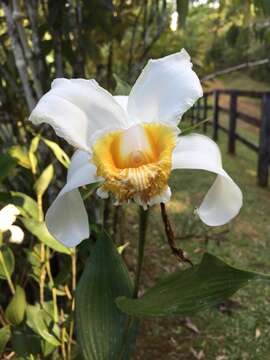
(203, 107)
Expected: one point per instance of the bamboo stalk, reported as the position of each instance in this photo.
(17, 17)
(19, 57)
(40, 64)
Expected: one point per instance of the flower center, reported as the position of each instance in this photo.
(137, 158)
(136, 162)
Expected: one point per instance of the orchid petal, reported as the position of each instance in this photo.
(166, 88)
(122, 101)
(77, 109)
(224, 199)
(67, 218)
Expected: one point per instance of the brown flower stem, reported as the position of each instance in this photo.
(178, 252)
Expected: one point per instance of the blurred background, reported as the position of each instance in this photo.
(111, 41)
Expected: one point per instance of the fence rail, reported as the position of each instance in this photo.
(200, 112)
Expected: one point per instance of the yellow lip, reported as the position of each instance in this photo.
(135, 162)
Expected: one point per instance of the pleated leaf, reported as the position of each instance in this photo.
(100, 324)
(192, 290)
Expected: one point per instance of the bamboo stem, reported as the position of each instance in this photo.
(18, 56)
(17, 16)
(63, 333)
(42, 255)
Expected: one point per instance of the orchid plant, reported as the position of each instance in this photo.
(129, 145)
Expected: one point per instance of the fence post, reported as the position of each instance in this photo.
(215, 115)
(205, 112)
(232, 123)
(264, 146)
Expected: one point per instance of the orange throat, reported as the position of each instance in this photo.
(135, 163)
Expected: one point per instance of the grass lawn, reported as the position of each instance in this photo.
(237, 329)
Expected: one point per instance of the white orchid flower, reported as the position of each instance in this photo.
(131, 144)
(8, 215)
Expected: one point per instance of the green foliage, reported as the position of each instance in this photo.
(58, 152)
(28, 206)
(41, 322)
(4, 337)
(31, 154)
(44, 180)
(21, 155)
(7, 164)
(35, 329)
(182, 9)
(100, 323)
(7, 262)
(17, 306)
(24, 342)
(40, 230)
(264, 5)
(195, 289)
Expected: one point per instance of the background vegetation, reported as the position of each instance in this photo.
(111, 42)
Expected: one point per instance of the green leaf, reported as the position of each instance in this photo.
(47, 348)
(264, 5)
(100, 324)
(9, 261)
(42, 323)
(44, 180)
(16, 308)
(27, 205)
(7, 164)
(32, 157)
(195, 289)
(4, 338)
(24, 342)
(60, 155)
(21, 155)
(39, 229)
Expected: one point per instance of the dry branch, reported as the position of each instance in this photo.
(229, 70)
